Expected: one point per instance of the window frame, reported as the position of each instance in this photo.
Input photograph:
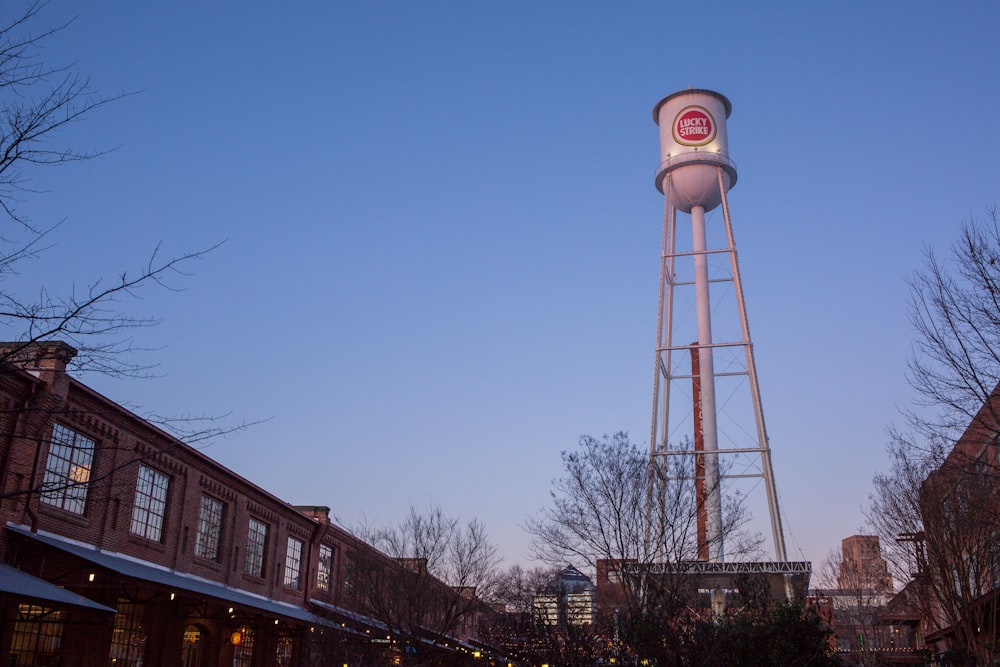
(292, 577)
(255, 559)
(149, 506)
(243, 652)
(36, 635)
(130, 634)
(205, 539)
(324, 568)
(71, 454)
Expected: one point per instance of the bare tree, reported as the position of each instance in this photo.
(938, 499)
(87, 325)
(894, 512)
(600, 509)
(600, 518)
(517, 588)
(39, 103)
(955, 313)
(39, 100)
(430, 580)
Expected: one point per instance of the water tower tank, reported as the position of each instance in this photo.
(693, 145)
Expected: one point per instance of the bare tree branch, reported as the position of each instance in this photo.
(432, 577)
(955, 313)
(39, 103)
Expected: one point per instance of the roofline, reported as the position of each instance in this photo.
(77, 385)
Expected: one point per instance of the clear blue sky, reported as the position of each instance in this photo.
(442, 234)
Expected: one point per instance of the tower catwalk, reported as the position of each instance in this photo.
(694, 175)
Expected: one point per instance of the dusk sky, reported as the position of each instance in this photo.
(442, 235)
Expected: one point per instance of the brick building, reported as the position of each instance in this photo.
(870, 625)
(121, 545)
(950, 608)
(862, 565)
(959, 555)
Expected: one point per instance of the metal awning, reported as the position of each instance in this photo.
(370, 623)
(357, 618)
(179, 581)
(345, 615)
(22, 584)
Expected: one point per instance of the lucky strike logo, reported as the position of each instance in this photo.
(694, 126)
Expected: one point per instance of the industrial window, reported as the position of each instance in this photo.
(293, 562)
(351, 586)
(150, 503)
(243, 650)
(283, 652)
(256, 543)
(67, 471)
(128, 642)
(193, 645)
(209, 528)
(325, 569)
(36, 638)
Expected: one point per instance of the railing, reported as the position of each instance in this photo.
(705, 567)
(696, 155)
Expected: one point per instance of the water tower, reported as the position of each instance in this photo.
(699, 268)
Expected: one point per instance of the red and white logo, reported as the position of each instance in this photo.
(694, 126)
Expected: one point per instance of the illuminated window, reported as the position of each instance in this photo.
(150, 503)
(36, 638)
(283, 652)
(193, 645)
(325, 569)
(256, 543)
(293, 562)
(67, 471)
(209, 528)
(243, 651)
(128, 643)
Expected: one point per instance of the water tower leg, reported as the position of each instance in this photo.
(659, 423)
(762, 440)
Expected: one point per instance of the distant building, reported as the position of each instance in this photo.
(611, 591)
(568, 599)
(870, 626)
(862, 565)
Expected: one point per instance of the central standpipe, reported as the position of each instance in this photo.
(706, 367)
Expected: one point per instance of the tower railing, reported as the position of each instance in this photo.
(695, 156)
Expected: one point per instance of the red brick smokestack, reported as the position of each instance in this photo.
(699, 460)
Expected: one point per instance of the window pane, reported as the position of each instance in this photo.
(325, 567)
(243, 652)
(283, 652)
(150, 503)
(67, 470)
(209, 528)
(36, 637)
(256, 541)
(293, 562)
(128, 641)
